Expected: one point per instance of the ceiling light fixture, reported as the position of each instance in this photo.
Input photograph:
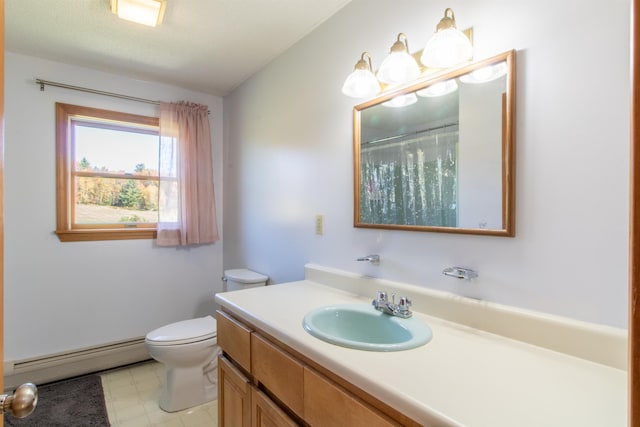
(448, 46)
(361, 83)
(146, 12)
(399, 67)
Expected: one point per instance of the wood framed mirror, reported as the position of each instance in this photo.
(439, 154)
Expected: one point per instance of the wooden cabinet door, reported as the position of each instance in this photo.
(234, 396)
(327, 404)
(265, 413)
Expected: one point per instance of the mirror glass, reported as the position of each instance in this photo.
(438, 154)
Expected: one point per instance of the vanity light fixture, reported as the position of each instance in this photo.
(146, 12)
(439, 89)
(399, 67)
(361, 83)
(485, 74)
(448, 46)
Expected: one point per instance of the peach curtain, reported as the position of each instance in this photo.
(187, 214)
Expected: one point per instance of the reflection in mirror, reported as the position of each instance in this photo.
(438, 155)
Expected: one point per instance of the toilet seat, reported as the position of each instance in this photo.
(184, 332)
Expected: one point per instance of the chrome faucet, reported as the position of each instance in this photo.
(373, 259)
(460, 273)
(381, 303)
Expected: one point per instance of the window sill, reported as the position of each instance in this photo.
(97, 234)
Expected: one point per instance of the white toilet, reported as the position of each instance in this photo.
(189, 351)
(241, 278)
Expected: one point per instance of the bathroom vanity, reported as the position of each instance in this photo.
(486, 365)
(258, 370)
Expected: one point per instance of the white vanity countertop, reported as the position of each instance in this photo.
(463, 377)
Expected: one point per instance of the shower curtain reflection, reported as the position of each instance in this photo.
(411, 181)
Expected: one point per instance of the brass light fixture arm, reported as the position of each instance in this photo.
(362, 63)
(401, 44)
(449, 20)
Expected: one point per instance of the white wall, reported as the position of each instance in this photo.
(62, 296)
(288, 156)
(480, 155)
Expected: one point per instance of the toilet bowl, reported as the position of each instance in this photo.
(189, 351)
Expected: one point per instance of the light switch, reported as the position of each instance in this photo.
(320, 225)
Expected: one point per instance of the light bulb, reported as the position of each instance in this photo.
(448, 46)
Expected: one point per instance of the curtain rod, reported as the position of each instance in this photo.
(44, 83)
(417, 132)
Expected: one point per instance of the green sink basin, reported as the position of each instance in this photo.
(362, 327)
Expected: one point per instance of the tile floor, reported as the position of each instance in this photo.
(131, 395)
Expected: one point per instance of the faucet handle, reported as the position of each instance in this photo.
(404, 303)
(403, 307)
(380, 301)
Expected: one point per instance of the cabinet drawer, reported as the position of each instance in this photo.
(327, 404)
(235, 339)
(277, 372)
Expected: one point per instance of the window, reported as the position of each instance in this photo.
(107, 174)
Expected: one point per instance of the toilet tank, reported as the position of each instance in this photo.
(241, 278)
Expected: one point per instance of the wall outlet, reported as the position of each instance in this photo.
(320, 225)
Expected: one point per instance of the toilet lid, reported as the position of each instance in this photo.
(242, 275)
(184, 332)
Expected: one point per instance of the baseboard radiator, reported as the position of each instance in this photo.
(72, 363)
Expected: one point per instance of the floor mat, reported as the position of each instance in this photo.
(75, 402)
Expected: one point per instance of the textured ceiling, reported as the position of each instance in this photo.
(210, 46)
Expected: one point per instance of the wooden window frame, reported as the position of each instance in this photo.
(65, 195)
